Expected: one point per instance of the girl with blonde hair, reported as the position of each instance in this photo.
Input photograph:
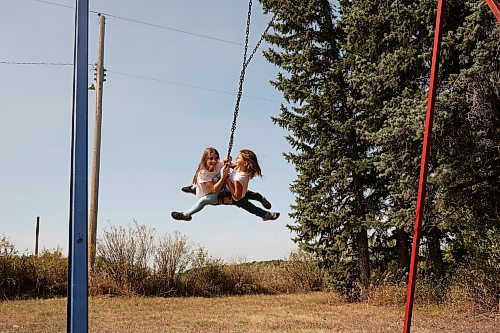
(245, 168)
(208, 183)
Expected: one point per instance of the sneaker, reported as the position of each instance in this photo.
(271, 216)
(181, 216)
(266, 204)
(189, 189)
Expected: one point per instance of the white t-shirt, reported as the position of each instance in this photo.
(205, 176)
(241, 177)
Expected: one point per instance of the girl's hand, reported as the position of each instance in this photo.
(227, 162)
(225, 172)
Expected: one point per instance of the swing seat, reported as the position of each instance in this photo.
(224, 198)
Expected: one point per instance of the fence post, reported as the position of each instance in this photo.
(37, 232)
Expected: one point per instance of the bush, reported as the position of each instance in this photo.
(173, 256)
(52, 273)
(205, 276)
(242, 278)
(476, 287)
(132, 260)
(389, 294)
(7, 249)
(31, 276)
(300, 272)
(124, 258)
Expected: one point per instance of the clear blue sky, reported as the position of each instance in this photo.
(153, 132)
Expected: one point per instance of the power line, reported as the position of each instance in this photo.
(54, 4)
(143, 77)
(146, 23)
(225, 92)
(36, 63)
(168, 28)
(171, 82)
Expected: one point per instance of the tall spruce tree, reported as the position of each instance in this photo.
(382, 66)
(336, 195)
(357, 84)
(469, 132)
(389, 43)
(469, 54)
(467, 174)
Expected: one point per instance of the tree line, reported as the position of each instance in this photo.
(355, 74)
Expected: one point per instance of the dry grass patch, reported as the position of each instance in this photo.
(311, 312)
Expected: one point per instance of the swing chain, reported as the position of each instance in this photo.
(260, 40)
(242, 74)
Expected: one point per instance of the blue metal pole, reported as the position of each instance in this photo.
(77, 316)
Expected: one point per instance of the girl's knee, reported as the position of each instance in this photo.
(209, 199)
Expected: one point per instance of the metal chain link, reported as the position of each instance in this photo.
(260, 40)
(242, 74)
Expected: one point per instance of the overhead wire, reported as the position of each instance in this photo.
(188, 85)
(143, 77)
(35, 63)
(191, 86)
(146, 23)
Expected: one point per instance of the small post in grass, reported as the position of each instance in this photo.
(37, 232)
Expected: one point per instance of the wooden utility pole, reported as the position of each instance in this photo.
(37, 232)
(94, 194)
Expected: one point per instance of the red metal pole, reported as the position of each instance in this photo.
(495, 8)
(423, 166)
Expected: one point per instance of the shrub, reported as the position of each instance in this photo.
(300, 272)
(51, 273)
(241, 278)
(388, 294)
(7, 249)
(31, 276)
(124, 257)
(476, 287)
(303, 273)
(206, 275)
(173, 256)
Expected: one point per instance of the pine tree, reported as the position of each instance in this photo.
(468, 155)
(387, 42)
(336, 198)
(357, 87)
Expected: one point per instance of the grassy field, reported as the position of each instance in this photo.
(312, 312)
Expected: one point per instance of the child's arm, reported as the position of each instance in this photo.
(218, 185)
(236, 189)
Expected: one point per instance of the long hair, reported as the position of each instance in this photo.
(203, 161)
(250, 158)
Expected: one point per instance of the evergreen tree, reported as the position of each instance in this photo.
(385, 65)
(391, 43)
(357, 84)
(336, 195)
(468, 141)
